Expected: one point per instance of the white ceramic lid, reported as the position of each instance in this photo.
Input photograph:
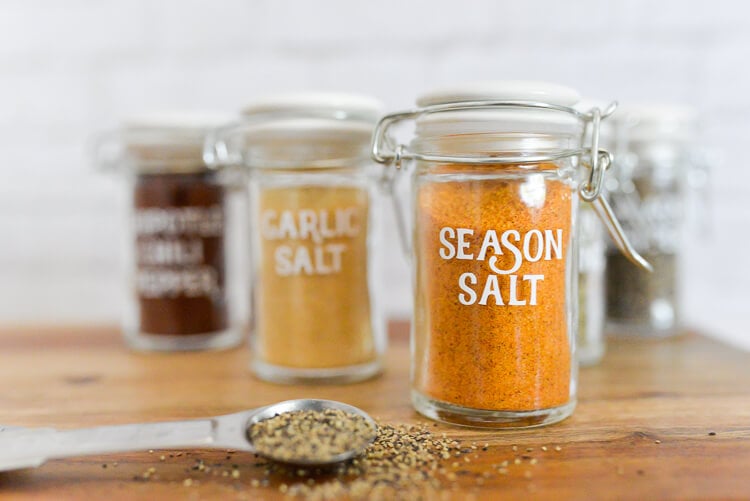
(507, 90)
(656, 112)
(175, 119)
(171, 127)
(301, 128)
(656, 122)
(311, 117)
(336, 105)
(501, 120)
(307, 129)
(168, 141)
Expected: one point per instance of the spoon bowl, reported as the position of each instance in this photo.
(310, 404)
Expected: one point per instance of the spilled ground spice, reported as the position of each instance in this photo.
(492, 314)
(311, 435)
(404, 462)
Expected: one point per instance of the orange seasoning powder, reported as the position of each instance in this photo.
(487, 340)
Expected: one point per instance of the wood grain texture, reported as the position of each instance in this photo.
(674, 391)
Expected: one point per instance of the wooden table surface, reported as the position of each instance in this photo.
(656, 420)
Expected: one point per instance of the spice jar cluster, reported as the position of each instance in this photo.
(270, 222)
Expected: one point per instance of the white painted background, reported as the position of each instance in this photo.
(69, 68)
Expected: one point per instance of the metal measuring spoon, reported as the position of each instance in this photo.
(31, 447)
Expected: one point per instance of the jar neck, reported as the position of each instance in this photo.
(497, 145)
(309, 155)
(664, 160)
(164, 159)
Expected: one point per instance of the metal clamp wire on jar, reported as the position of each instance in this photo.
(595, 159)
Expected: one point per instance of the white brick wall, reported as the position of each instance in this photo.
(68, 69)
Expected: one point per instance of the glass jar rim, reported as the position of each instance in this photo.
(158, 142)
(298, 129)
(306, 128)
(570, 131)
(554, 113)
(500, 122)
(656, 123)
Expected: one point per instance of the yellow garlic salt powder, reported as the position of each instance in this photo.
(313, 286)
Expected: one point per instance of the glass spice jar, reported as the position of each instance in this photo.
(590, 342)
(648, 192)
(315, 214)
(495, 202)
(590, 345)
(186, 276)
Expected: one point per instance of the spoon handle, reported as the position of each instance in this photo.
(32, 447)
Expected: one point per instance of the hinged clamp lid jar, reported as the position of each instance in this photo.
(495, 198)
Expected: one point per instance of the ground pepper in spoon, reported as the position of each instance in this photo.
(310, 436)
(326, 421)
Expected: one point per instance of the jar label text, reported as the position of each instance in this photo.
(314, 240)
(171, 251)
(504, 252)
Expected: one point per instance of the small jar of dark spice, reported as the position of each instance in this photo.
(649, 189)
(185, 229)
(592, 242)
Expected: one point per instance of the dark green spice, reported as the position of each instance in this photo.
(636, 298)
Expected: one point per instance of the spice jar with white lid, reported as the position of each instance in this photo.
(590, 342)
(315, 203)
(495, 201)
(649, 190)
(186, 285)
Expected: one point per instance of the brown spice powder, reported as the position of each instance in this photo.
(495, 357)
(180, 271)
(318, 319)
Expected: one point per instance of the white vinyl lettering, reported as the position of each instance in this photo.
(307, 248)
(504, 252)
